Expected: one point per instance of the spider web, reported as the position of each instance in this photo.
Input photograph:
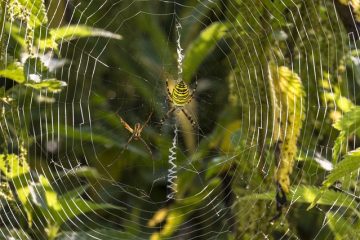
(220, 192)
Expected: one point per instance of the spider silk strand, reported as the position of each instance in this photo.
(172, 170)
(179, 50)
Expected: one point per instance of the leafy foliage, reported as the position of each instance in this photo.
(349, 165)
(28, 193)
(341, 228)
(201, 47)
(288, 106)
(266, 75)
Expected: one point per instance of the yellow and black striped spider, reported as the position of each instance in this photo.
(180, 96)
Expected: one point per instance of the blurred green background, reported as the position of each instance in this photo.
(267, 72)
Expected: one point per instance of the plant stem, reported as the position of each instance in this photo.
(2, 26)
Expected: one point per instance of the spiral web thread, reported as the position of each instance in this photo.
(226, 222)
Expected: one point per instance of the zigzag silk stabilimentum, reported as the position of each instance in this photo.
(287, 95)
(171, 177)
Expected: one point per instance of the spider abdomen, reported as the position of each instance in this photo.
(180, 95)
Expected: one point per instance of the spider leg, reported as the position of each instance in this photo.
(168, 90)
(126, 146)
(188, 116)
(150, 152)
(144, 125)
(167, 115)
(192, 93)
(147, 146)
(126, 125)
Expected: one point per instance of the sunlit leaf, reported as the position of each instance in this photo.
(201, 47)
(44, 195)
(14, 71)
(158, 217)
(350, 164)
(344, 104)
(71, 208)
(355, 6)
(18, 172)
(195, 23)
(173, 220)
(346, 167)
(80, 31)
(87, 172)
(350, 122)
(307, 194)
(16, 32)
(288, 98)
(339, 142)
(52, 85)
(70, 32)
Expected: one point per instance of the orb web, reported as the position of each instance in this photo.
(272, 79)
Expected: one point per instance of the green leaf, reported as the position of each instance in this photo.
(201, 47)
(44, 196)
(79, 31)
(198, 15)
(341, 228)
(350, 164)
(276, 8)
(339, 142)
(14, 71)
(173, 221)
(38, 197)
(350, 122)
(71, 32)
(84, 134)
(71, 208)
(18, 172)
(344, 104)
(76, 192)
(307, 194)
(17, 33)
(87, 172)
(216, 166)
(52, 85)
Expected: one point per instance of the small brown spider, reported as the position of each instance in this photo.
(135, 134)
